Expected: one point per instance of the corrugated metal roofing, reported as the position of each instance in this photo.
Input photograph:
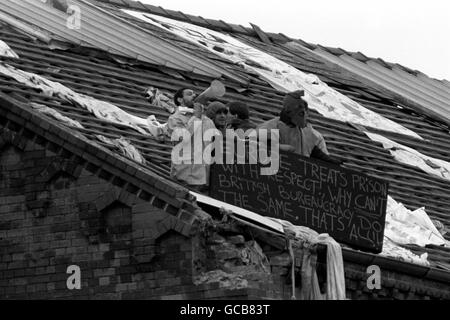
(433, 107)
(431, 96)
(100, 29)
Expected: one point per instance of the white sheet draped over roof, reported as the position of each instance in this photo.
(404, 226)
(6, 51)
(101, 109)
(413, 157)
(124, 146)
(56, 115)
(279, 74)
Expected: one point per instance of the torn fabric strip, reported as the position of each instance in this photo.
(404, 226)
(101, 109)
(56, 115)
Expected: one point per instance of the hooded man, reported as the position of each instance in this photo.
(296, 134)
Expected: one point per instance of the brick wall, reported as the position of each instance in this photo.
(55, 213)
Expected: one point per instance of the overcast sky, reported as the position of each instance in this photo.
(413, 33)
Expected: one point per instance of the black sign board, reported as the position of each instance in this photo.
(348, 205)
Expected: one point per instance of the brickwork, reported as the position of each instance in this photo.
(55, 213)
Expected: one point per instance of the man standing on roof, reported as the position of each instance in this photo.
(296, 134)
(189, 116)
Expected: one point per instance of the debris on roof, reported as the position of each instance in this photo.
(57, 115)
(125, 147)
(392, 250)
(22, 27)
(101, 109)
(264, 38)
(410, 156)
(427, 95)
(279, 74)
(404, 226)
(159, 99)
(6, 51)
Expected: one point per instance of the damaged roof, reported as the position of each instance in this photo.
(123, 81)
(429, 96)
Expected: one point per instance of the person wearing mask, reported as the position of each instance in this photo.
(296, 134)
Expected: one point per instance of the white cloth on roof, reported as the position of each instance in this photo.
(412, 157)
(335, 264)
(55, 114)
(280, 75)
(101, 109)
(404, 226)
(127, 149)
(6, 51)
